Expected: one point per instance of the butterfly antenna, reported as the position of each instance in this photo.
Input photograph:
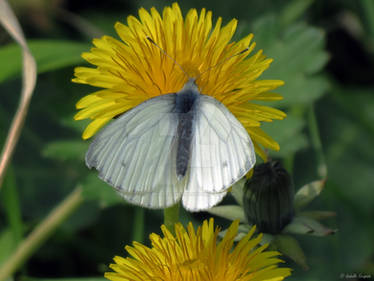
(166, 54)
(223, 61)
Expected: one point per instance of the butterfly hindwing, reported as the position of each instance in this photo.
(136, 154)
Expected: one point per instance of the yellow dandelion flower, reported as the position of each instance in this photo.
(196, 256)
(132, 70)
(183, 80)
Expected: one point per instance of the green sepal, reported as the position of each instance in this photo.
(290, 247)
(307, 193)
(230, 212)
(243, 230)
(317, 215)
(304, 225)
(267, 238)
(237, 191)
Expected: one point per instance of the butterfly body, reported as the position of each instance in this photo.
(186, 102)
(183, 145)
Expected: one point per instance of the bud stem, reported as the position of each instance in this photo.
(138, 225)
(316, 142)
(171, 217)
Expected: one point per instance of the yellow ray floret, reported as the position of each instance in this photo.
(132, 69)
(198, 256)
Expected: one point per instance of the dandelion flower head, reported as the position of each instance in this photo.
(132, 70)
(195, 255)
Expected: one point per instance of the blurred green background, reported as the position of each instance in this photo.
(323, 50)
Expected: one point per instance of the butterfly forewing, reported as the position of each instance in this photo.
(222, 153)
(136, 154)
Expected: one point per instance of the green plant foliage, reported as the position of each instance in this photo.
(7, 245)
(291, 248)
(320, 54)
(10, 200)
(230, 212)
(66, 150)
(49, 55)
(299, 54)
(95, 189)
(308, 192)
(289, 134)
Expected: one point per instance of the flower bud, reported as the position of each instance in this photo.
(268, 198)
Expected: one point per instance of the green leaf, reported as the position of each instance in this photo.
(230, 212)
(349, 99)
(316, 62)
(49, 55)
(75, 125)
(294, 10)
(308, 192)
(300, 89)
(66, 150)
(95, 189)
(301, 44)
(288, 133)
(7, 245)
(298, 54)
(348, 119)
(290, 247)
(10, 198)
(87, 215)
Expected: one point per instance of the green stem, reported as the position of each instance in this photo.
(138, 226)
(316, 142)
(41, 233)
(12, 205)
(288, 162)
(171, 217)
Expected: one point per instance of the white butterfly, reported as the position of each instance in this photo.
(177, 146)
